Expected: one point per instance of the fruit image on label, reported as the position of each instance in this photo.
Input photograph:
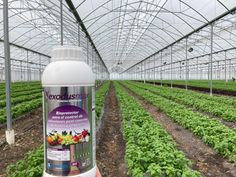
(68, 140)
(67, 125)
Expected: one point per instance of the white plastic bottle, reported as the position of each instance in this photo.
(69, 119)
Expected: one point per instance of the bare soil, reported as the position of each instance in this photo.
(28, 136)
(111, 146)
(204, 158)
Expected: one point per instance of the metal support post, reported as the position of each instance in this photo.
(180, 70)
(87, 51)
(211, 56)
(186, 65)
(161, 68)
(230, 68)
(197, 70)
(226, 80)
(145, 71)
(40, 69)
(78, 35)
(171, 68)
(61, 16)
(148, 70)
(10, 136)
(154, 69)
(21, 76)
(92, 60)
(27, 65)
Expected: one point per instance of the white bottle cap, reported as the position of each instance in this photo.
(68, 68)
(67, 53)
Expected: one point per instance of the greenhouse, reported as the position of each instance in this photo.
(120, 88)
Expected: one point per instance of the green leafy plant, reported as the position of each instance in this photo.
(212, 132)
(221, 107)
(150, 151)
(100, 98)
(30, 166)
(217, 84)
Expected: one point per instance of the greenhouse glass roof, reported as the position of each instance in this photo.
(124, 32)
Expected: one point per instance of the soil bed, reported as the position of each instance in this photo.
(28, 136)
(204, 158)
(111, 146)
(220, 119)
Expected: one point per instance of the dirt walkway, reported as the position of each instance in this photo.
(204, 158)
(111, 146)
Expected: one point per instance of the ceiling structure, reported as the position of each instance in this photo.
(119, 34)
(35, 26)
(128, 31)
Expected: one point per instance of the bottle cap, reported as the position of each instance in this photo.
(64, 53)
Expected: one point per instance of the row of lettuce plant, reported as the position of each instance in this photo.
(219, 98)
(196, 100)
(23, 92)
(217, 84)
(20, 99)
(100, 96)
(17, 87)
(21, 109)
(150, 150)
(220, 137)
(25, 97)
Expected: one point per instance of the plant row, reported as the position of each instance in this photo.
(21, 89)
(100, 98)
(23, 92)
(18, 84)
(212, 132)
(21, 109)
(25, 97)
(223, 99)
(20, 99)
(150, 151)
(216, 84)
(196, 100)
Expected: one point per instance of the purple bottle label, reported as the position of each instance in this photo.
(68, 130)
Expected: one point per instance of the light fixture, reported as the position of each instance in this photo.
(190, 49)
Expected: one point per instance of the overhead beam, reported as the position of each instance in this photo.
(84, 29)
(21, 47)
(231, 11)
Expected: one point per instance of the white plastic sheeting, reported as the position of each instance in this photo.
(34, 28)
(127, 31)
